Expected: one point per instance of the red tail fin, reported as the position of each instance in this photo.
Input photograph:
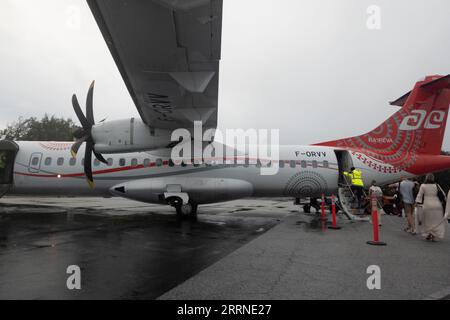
(417, 128)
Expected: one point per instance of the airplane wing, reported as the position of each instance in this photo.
(168, 54)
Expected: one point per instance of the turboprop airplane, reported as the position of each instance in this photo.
(168, 53)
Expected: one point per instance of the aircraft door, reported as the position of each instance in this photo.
(345, 162)
(35, 162)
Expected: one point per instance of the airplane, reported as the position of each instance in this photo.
(168, 54)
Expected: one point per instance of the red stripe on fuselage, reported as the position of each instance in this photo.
(74, 175)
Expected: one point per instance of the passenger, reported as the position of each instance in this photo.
(357, 184)
(406, 192)
(434, 222)
(376, 192)
(389, 201)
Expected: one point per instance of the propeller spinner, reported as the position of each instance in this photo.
(84, 134)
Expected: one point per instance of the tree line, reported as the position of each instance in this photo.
(48, 128)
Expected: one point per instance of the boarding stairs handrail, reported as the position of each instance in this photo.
(344, 201)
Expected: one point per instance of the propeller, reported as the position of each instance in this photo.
(84, 134)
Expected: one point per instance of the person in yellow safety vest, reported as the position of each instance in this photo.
(355, 176)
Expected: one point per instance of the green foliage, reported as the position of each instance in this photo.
(45, 129)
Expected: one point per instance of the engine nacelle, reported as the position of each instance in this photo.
(196, 189)
(128, 135)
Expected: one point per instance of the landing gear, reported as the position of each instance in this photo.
(187, 210)
(307, 208)
(184, 209)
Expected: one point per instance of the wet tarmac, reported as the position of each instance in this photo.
(301, 258)
(125, 249)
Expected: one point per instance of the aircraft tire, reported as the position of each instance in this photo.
(307, 208)
(185, 210)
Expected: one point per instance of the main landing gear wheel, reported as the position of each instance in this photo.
(307, 208)
(187, 210)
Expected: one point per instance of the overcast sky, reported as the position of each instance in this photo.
(311, 68)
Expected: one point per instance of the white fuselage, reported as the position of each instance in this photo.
(47, 168)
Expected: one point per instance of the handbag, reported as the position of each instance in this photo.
(423, 199)
(441, 196)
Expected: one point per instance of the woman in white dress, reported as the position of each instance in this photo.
(434, 223)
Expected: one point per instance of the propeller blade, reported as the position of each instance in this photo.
(89, 104)
(76, 107)
(88, 164)
(100, 157)
(76, 146)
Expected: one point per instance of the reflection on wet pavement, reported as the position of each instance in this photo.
(137, 255)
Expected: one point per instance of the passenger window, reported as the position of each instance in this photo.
(72, 161)
(146, 163)
(304, 164)
(35, 161)
(122, 162)
(110, 161)
(96, 163)
(134, 162)
(60, 161)
(281, 163)
(48, 161)
(292, 163)
(314, 164)
(159, 162)
(325, 164)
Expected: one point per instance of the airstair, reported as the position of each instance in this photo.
(349, 205)
(346, 197)
(4, 188)
(8, 151)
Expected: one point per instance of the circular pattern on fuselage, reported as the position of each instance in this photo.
(306, 183)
